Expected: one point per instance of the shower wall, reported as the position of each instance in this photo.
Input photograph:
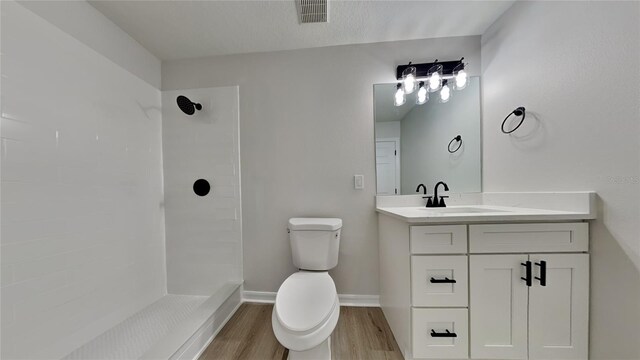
(82, 240)
(203, 233)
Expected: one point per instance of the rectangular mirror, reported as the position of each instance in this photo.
(417, 144)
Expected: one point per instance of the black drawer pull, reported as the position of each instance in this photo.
(446, 280)
(543, 273)
(528, 279)
(447, 334)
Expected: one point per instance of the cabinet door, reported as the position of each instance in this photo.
(498, 306)
(559, 311)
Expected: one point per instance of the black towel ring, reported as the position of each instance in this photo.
(459, 140)
(520, 111)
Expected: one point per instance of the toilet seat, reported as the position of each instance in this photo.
(306, 310)
(305, 300)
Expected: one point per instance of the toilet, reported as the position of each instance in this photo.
(307, 307)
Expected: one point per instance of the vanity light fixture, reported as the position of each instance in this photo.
(429, 78)
(399, 98)
(409, 79)
(445, 93)
(423, 95)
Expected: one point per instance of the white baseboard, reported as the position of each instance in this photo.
(359, 300)
(269, 297)
(265, 297)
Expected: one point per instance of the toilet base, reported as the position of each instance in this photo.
(320, 352)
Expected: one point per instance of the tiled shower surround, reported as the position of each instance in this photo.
(82, 217)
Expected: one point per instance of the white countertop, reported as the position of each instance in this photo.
(494, 207)
(423, 214)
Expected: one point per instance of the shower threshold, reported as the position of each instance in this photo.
(173, 327)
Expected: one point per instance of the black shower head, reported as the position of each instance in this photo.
(187, 106)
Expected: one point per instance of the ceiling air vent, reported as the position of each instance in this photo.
(313, 11)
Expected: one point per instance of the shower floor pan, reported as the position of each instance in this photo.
(173, 327)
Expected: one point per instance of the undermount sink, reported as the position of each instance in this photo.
(461, 210)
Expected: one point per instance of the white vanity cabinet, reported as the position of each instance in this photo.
(486, 291)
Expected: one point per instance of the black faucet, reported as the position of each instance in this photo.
(436, 202)
(424, 192)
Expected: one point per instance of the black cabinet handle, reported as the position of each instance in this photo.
(444, 334)
(543, 273)
(527, 278)
(446, 280)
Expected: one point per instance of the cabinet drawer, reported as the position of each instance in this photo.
(439, 239)
(432, 280)
(510, 238)
(431, 339)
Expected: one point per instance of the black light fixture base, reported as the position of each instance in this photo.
(423, 69)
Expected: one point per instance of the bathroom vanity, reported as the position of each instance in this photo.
(492, 276)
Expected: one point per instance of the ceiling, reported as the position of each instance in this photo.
(186, 29)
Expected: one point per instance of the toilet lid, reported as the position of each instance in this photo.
(305, 300)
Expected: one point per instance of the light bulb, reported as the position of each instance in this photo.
(434, 81)
(409, 79)
(445, 93)
(399, 98)
(409, 84)
(423, 94)
(434, 78)
(461, 80)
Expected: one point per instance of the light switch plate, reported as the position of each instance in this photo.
(358, 182)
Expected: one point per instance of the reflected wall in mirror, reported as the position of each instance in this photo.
(413, 142)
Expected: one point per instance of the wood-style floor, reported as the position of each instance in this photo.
(361, 333)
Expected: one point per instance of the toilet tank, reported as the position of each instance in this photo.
(315, 242)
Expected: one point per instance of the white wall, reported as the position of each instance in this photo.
(575, 66)
(82, 235)
(306, 127)
(387, 129)
(204, 248)
(87, 25)
(425, 134)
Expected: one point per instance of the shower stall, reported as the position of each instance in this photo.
(107, 250)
